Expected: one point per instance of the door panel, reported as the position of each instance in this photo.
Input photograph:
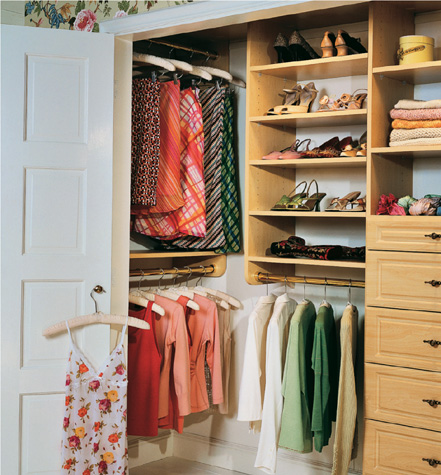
(57, 117)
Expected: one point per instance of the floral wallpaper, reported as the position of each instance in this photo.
(86, 15)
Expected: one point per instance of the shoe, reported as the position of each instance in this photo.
(356, 101)
(350, 150)
(300, 49)
(362, 148)
(293, 197)
(305, 99)
(275, 154)
(309, 202)
(340, 45)
(353, 44)
(327, 45)
(281, 46)
(340, 204)
(345, 102)
(292, 97)
(334, 150)
(314, 153)
(294, 152)
(359, 203)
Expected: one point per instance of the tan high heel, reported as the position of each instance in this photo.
(292, 97)
(327, 45)
(306, 98)
(340, 45)
(340, 204)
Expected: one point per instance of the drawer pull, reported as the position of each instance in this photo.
(432, 402)
(433, 236)
(433, 283)
(433, 343)
(432, 462)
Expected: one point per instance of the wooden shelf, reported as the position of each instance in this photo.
(419, 73)
(171, 254)
(314, 119)
(308, 262)
(415, 151)
(337, 162)
(310, 214)
(323, 68)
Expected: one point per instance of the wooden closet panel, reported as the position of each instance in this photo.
(400, 395)
(410, 233)
(402, 280)
(393, 449)
(403, 338)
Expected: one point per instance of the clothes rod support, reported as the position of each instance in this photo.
(204, 270)
(186, 48)
(271, 278)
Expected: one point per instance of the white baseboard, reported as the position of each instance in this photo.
(144, 450)
(239, 457)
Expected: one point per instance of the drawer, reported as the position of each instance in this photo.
(404, 233)
(392, 449)
(403, 396)
(398, 280)
(403, 338)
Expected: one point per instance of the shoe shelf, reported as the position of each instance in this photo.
(415, 151)
(313, 69)
(337, 162)
(310, 214)
(308, 262)
(314, 119)
(420, 73)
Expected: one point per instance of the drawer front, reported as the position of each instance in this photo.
(403, 338)
(403, 396)
(390, 449)
(403, 280)
(404, 233)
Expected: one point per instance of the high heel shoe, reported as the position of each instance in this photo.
(306, 98)
(358, 205)
(300, 49)
(353, 44)
(327, 44)
(292, 97)
(310, 202)
(314, 153)
(292, 198)
(356, 100)
(294, 151)
(281, 46)
(340, 45)
(334, 150)
(340, 204)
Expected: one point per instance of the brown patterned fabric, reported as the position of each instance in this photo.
(145, 141)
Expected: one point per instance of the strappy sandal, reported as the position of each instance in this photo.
(356, 101)
(294, 152)
(309, 202)
(340, 204)
(292, 97)
(293, 197)
(358, 205)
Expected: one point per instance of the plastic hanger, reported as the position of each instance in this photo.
(173, 295)
(350, 294)
(305, 300)
(214, 293)
(182, 65)
(155, 60)
(219, 73)
(201, 73)
(97, 317)
(325, 303)
(140, 298)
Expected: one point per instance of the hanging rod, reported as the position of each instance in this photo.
(205, 270)
(185, 48)
(264, 277)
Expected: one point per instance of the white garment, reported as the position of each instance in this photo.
(252, 384)
(276, 343)
(347, 397)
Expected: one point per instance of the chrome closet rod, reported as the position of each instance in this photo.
(268, 278)
(205, 270)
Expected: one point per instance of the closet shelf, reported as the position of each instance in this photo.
(308, 262)
(160, 254)
(310, 214)
(314, 119)
(420, 73)
(323, 68)
(337, 162)
(415, 151)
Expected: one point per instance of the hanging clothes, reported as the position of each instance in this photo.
(168, 192)
(325, 364)
(347, 395)
(190, 219)
(277, 341)
(298, 381)
(229, 190)
(252, 385)
(212, 101)
(144, 370)
(95, 419)
(145, 141)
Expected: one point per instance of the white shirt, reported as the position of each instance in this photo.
(252, 384)
(277, 340)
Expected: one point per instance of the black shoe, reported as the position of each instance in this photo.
(353, 43)
(300, 49)
(281, 46)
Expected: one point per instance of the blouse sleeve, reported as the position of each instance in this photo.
(214, 356)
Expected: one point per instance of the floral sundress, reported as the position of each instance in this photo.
(95, 420)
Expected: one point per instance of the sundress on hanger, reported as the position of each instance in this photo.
(95, 420)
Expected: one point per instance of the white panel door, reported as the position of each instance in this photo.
(56, 149)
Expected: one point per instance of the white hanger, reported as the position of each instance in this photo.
(201, 73)
(206, 290)
(239, 83)
(97, 317)
(305, 300)
(138, 297)
(325, 303)
(155, 60)
(181, 65)
(220, 73)
(173, 295)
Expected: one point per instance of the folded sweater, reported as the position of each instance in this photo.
(416, 124)
(411, 134)
(413, 104)
(416, 114)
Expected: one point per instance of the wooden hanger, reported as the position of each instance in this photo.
(138, 297)
(154, 60)
(219, 73)
(173, 295)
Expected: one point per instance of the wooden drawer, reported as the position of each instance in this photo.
(404, 233)
(402, 395)
(398, 280)
(392, 449)
(403, 338)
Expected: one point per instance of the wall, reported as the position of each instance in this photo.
(12, 13)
